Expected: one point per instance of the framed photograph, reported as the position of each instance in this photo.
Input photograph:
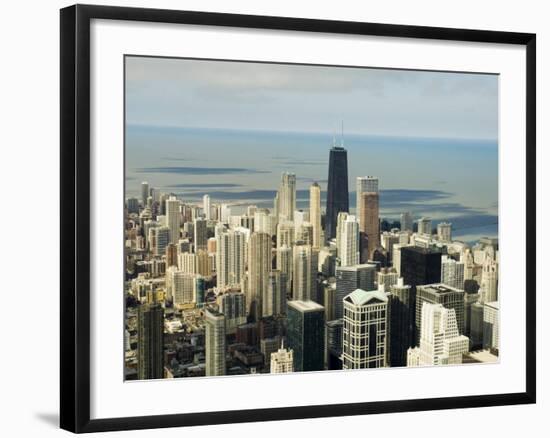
(268, 218)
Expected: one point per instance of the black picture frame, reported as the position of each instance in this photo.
(75, 217)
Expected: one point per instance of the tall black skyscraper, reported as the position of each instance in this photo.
(337, 189)
(419, 266)
(150, 341)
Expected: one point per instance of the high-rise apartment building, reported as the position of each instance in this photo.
(206, 207)
(230, 257)
(304, 272)
(491, 330)
(215, 343)
(365, 334)
(306, 334)
(173, 218)
(150, 341)
(315, 213)
(444, 233)
(489, 280)
(259, 266)
(274, 299)
(369, 219)
(452, 272)
(144, 193)
(233, 307)
(337, 189)
(200, 239)
(425, 226)
(285, 265)
(348, 241)
(406, 221)
(287, 196)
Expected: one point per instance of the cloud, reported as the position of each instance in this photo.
(200, 170)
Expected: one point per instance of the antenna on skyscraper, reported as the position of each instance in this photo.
(342, 137)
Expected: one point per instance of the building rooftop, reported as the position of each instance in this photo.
(439, 288)
(356, 267)
(360, 297)
(305, 306)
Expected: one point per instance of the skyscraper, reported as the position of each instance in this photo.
(406, 221)
(337, 189)
(173, 218)
(285, 265)
(369, 219)
(287, 196)
(425, 226)
(304, 272)
(306, 334)
(274, 299)
(365, 340)
(150, 341)
(315, 213)
(144, 193)
(206, 206)
(489, 280)
(419, 266)
(285, 233)
(401, 338)
(200, 235)
(440, 341)
(259, 265)
(233, 307)
(215, 343)
(444, 232)
(348, 241)
(230, 251)
(452, 272)
(349, 278)
(364, 184)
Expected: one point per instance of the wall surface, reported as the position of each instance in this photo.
(30, 205)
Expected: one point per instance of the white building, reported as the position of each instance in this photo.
(173, 218)
(489, 280)
(440, 341)
(491, 335)
(230, 258)
(365, 335)
(406, 222)
(425, 226)
(282, 361)
(315, 213)
(444, 232)
(206, 206)
(348, 241)
(452, 272)
(287, 196)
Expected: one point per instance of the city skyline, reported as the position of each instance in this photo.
(309, 254)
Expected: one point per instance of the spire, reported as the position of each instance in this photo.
(342, 137)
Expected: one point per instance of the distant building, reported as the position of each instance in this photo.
(425, 226)
(259, 266)
(444, 232)
(206, 207)
(370, 220)
(173, 218)
(406, 222)
(315, 213)
(306, 334)
(348, 241)
(230, 256)
(365, 334)
(150, 342)
(364, 184)
(200, 235)
(144, 193)
(282, 361)
(287, 196)
(334, 331)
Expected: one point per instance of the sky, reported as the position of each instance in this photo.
(303, 98)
